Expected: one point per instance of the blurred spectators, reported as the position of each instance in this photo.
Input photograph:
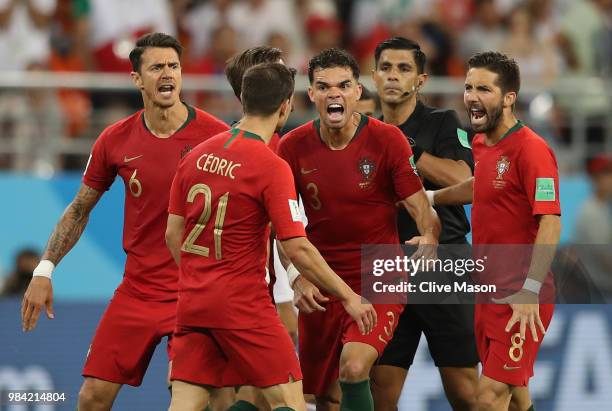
(593, 230)
(484, 33)
(535, 57)
(282, 42)
(255, 20)
(322, 32)
(199, 21)
(223, 45)
(24, 45)
(583, 26)
(24, 33)
(108, 29)
(65, 57)
(17, 282)
(594, 222)
(553, 41)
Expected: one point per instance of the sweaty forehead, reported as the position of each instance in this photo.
(333, 74)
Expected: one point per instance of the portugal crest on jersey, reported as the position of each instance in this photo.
(503, 164)
(366, 168)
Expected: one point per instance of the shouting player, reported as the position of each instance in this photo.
(443, 157)
(228, 332)
(144, 149)
(515, 197)
(350, 170)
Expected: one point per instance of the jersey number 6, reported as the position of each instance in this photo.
(188, 245)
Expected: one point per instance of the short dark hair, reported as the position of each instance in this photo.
(402, 43)
(506, 68)
(333, 57)
(265, 86)
(238, 64)
(153, 40)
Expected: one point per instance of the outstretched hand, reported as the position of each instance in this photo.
(38, 294)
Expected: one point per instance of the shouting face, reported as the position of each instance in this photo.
(159, 77)
(484, 100)
(334, 92)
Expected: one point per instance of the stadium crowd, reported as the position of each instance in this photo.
(97, 35)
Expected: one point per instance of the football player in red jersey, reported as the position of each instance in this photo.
(350, 170)
(515, 201)
(228, 332)
(250, 398)
(144, 150)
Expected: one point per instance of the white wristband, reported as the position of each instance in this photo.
(44, 269)
(532, 285)
(292, 274)
(430, 197)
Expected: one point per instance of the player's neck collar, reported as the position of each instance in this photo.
(235, 132)
(519, 124)
(191, 114)
(363, 121)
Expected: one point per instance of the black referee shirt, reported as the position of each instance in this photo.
(439, 133)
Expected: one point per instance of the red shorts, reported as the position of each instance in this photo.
(323, 334)
(504, 356)
(261, 357)
(126, 338)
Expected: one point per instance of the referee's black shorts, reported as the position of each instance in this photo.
(449, 328)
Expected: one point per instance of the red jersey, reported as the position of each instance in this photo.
(146, 164)
(515, 180)
(349, 195)
(228, 189)
(274, 142)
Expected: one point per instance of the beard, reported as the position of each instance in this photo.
(493, 118)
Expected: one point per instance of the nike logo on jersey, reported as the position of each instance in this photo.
(304, 171)
(508, 368)
(128, 159)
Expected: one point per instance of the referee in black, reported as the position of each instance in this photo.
(443, 157)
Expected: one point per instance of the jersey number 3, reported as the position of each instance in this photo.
(189, 245)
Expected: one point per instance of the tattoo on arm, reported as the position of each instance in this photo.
(71, 225)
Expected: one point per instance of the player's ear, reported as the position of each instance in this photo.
(311, 93)
(509, 99)
(359, 90)
(292, 103)
(286, 108)
(137, 79)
